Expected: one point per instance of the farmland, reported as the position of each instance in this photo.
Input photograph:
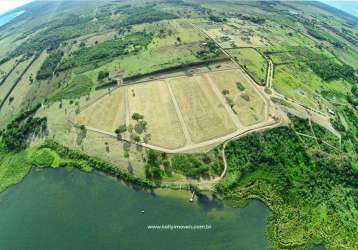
(108, 113)
(151, 99)
(201, 107)
(253, 62)
(241, 96)
(241, 99)
(21, 90)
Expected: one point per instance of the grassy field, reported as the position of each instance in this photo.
(6, 67)
(235, 34)
(22, 89)
(11, 79)
(170, 31)
(95, 144)
(153, 100)
(79, 86)
(246, 103)
(253, 62)
(108, 113)
(203, 113)
(298, 82)
(155, 59)
(298, 54)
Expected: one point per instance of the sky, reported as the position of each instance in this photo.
(6, 5)
(348, 6)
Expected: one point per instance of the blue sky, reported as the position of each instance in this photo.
(348, 6)
(6, 5)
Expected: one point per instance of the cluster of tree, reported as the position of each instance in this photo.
(102, 75)
(56, 33)
(49, 65)
(353, 99)
(277, 162)
(302, 178)
(217, 19)
(152, 166)
(193, 166)
(129, 44)
(254, 19)
(16, 135)
(120, 130)
(196, 166)
(324, 36)
(146, 14)
(331, 70)
(92, 162)
(209, 50)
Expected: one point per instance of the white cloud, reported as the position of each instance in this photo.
(6, 5)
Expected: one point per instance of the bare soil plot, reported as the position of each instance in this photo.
(203, 113)
(20, 92)
(107, 114)
(245, 101)
(153, 101)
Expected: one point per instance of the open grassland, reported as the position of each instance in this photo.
(298, 54)
(95, 144)
(169, 32)
(153, 100)
(348, 55)
(235, 34)
(241, 96)
(203, 113)
(9, 43)
(155, 59)
(107, 114)
(80, 85)
(12, 78)
(336, 91)
(299, 83)
(6, 67)
(253, 62)
(21, 90)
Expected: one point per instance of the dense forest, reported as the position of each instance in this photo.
(302, 179)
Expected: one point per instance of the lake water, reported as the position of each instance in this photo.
(4, 19)
(56, 209)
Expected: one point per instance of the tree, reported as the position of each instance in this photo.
(120, 130)
(102, 75)
(141, 126)
(137, 116)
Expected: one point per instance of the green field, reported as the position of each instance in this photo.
(200, 107)
(245, 101)
(252, 61)
(149, 100)
(146, 92)
(79, 86)
(21, 91)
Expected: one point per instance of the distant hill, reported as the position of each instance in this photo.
(339, 12)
